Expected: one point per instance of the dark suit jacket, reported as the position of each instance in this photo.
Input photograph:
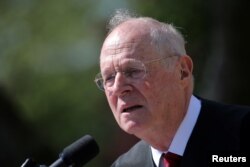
(220, 129)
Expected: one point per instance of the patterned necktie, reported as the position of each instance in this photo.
(171, 160)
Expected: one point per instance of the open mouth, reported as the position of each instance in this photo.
(132, 108)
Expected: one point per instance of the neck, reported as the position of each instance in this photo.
(161, 136)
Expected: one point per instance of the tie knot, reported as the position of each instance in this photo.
(172, 159)
(170, 155)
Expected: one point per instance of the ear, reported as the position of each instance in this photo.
(186, 67)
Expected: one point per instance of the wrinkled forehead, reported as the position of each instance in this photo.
(120, 56)
(131, 41)
(121, 48)
(117, 54)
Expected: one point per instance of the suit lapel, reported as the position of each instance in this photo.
(210, 135)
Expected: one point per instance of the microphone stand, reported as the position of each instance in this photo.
(31, 163)
(74, 155)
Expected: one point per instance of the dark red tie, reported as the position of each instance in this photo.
(171, 160)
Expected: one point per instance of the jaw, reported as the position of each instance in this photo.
(134, 122)
(130, 122)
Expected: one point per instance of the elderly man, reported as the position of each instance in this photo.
(147, 78)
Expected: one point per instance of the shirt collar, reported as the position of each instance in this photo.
(183, 133)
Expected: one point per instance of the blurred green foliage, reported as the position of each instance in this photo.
(48, 59)
(49, 56)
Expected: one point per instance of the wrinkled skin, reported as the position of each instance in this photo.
(153, 107)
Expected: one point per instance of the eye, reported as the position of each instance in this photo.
(135, 73)
(109, 79)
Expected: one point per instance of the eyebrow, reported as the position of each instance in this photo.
(130, 63)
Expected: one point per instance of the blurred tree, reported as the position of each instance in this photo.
(17, 140)
(226, 66)
(48, 59)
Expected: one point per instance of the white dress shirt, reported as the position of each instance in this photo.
(183, 133)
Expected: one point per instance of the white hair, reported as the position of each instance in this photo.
(165, 37)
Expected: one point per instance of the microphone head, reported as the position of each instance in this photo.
(80, 152)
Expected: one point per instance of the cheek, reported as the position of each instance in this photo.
(112, 102)
(160, 88)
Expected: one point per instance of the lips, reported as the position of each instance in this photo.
(132, 108)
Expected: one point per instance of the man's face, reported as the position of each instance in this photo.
(146, 104)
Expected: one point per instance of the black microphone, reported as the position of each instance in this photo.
(78, 153)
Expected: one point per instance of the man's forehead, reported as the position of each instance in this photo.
(121, 53)
(124, 37)
(120, 47)
(124, 42)
(118, 60)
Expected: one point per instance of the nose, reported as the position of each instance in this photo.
(121, 85)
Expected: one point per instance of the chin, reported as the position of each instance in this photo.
(131, 127)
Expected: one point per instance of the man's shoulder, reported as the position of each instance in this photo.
(138, 154)
(224, 108)
(227, 124)
(229, 116)
(220, 129)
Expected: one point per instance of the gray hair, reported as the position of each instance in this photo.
(164, 36)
